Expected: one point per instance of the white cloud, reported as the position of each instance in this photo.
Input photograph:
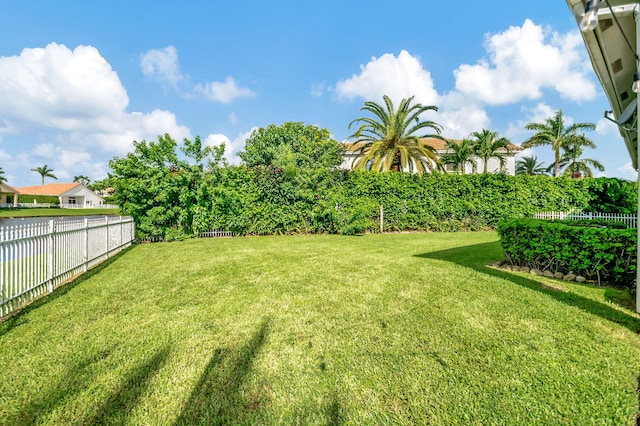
(628, 172)
(138, 126)
(317, 89)
(522, 62)
(76, 93)
(459, 117)
(232, 147)
(398, 77)
(46, 150)
(223, 92)
(516, 131)
(233, 118)
(59, 88)
(162, 64)
(606, 127)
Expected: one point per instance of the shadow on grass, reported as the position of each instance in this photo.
(478, 256)
(78, 376)
(121, 403)
(218, 398)
(18, 317)
(74, 379)
(333, 412)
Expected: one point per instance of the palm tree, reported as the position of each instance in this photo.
(2, 178)
(553, 132)
(461, 154)
(488, 145)
(45, 171)
(82, 179)
(576, 166)
(388, 141)
(530, 166)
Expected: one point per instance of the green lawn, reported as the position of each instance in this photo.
(377, 329)
(38, 212)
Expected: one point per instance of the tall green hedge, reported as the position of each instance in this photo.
(268, 200)
(171, 198)
(40, 199)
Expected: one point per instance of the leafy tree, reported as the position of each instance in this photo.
(212, 155)
(292, 144)
(611, 195)
(530, 166)
(576, 166)
(554, 133)
(389, 140)
(82, 179)
(2, 178)
(44, 172)
(100, 185)
(487, 145)
(461, 154)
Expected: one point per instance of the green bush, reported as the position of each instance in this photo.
(601, 254)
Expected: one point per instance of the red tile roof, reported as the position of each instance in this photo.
(56, 189)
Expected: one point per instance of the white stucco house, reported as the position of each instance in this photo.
(440, 147)
(7, 191)
(70, 195)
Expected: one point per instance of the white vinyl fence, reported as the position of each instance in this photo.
(628, 219)
(36, 258)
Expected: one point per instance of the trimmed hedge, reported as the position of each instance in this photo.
(604, 254)
(40, 199)
(269, 200)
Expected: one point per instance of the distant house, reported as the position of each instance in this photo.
(440, 146)
(7, 191)
(69, 195)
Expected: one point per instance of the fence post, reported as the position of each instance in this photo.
(381, 219)
(86, 245)
(51, 255)
(107, 239)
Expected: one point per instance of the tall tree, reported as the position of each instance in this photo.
(555, 133)
(530, 166)
(487, 145)
(576, 166)
(292, 144)
(2, 178)
(392, 139)
(45, 172)
(460, 155)
(82, 179)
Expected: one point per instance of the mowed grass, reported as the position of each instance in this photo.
(377, 329)
(40, 212)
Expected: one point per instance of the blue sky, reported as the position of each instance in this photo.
(80, 81)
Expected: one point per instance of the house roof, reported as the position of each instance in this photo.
(614, 62)
(55, 189)
(439, 145)
(6, 189)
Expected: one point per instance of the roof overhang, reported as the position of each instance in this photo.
(611, 47)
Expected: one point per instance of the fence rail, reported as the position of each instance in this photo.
(36, 258)
(628, 219)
